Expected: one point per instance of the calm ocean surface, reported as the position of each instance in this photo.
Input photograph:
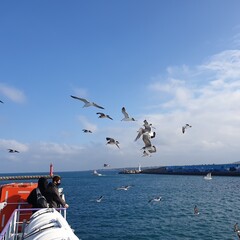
(129, 215)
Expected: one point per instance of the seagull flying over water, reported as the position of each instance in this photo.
(12, 150)
(125, 188)
(87, 131)
(112, 141)
(102, 115)
(99, 199)
(87, 103)
(185, 127)
(126, 116)
(156, 199)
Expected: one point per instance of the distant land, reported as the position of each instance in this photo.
(230, 169)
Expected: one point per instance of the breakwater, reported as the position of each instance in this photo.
(215, 169)
(23, 177)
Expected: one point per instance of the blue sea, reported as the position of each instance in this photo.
(129, 214)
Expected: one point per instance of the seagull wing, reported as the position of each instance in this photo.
(140, 132)
(183, 129)
(95, 105)
(81, 99)
(109, 117)
(125, 113)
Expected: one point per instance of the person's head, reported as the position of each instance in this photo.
(42, 183)
(56, 180)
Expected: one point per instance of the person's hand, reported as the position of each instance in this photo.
(66, 205)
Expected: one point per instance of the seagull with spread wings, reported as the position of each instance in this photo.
(126, 116)
(112, 141)
(87, 103)
(87, 131)
(103, 115)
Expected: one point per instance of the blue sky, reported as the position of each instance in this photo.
(169, 62)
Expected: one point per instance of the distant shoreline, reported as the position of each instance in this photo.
(215, 169)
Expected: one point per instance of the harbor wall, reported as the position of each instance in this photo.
(215, 169)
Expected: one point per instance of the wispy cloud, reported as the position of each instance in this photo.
(7, 144)
(85, 122)
(12, 93)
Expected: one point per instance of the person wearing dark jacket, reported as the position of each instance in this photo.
(42, 185)
(52, 194)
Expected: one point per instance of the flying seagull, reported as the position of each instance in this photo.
(87, 103)
(185, 127)
(125, 188)
(87, 131)
(146, 130)
(102, 115)
(99, 199)
(126, 116)
(106, 165)
(156, 199)
(12, 150)
(112, 141)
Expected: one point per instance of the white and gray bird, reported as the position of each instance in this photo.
(125, 188)
(87, 103)
(112, 141)
(126, 116)
(103, 115)
(144, 131)
(99, 199)
(155, 199)
(87, 131)
(185, 127)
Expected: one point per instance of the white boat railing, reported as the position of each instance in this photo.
(14, 228)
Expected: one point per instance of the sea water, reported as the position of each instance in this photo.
(129, 214)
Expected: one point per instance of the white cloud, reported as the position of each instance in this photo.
(87, 124)
(13, 144)
(208, 97)
(12, 93)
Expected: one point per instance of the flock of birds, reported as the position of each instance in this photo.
(126, 188)
(146, 132)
